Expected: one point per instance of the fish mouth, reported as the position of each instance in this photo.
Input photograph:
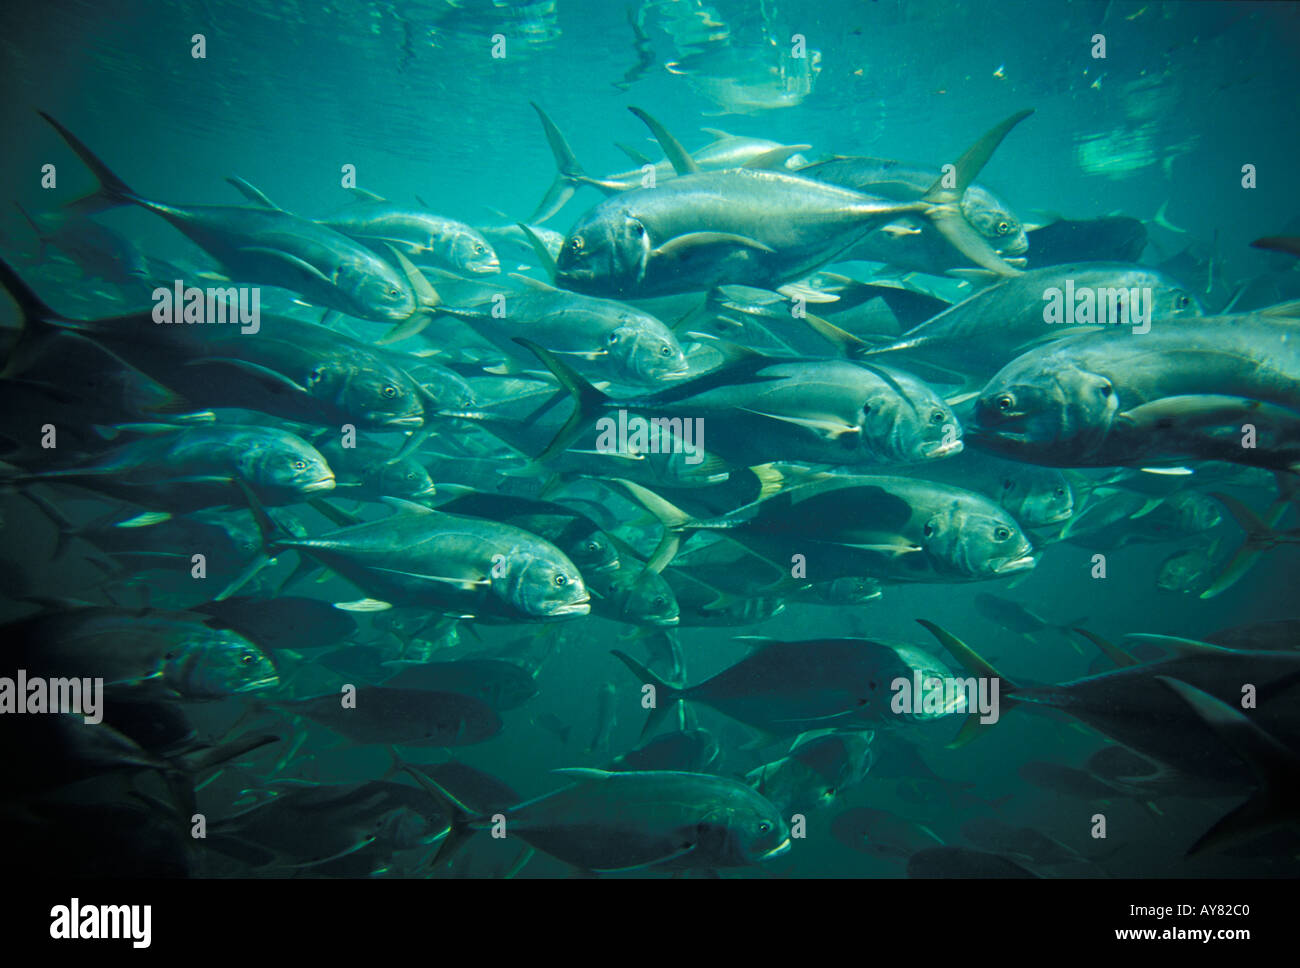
(943, 449)
(429, 491)
(573, 608)
(1059, 518)
(606, 568)
(782, 848)
(486, 268)
(666, 622)
(1022, 563)
(325, 484)
(257, 684)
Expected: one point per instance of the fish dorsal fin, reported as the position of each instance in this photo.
(682, 162)
(731, 352)
(969, 165)
(584, 773)
(1184, 647)
(539, 249)
(637, 157)
(253, 193)
(775, 158)
(364, 196)
(532, 283)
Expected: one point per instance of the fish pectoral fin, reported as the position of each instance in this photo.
(953, 226)
(289, 259)
(899, 230)
(775, 158)
(256, 369)
(897, 549)
(363, 605)
(413, 324)
(650, 863)
(681, 246)
(464, 584)
(824, 428)
(582, 354)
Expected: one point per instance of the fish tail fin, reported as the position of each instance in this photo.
(37, 321)
(459, 816)
(666, 695)
(112, 190)
(1121, 657)
(268, 531)
(945, 194)
(587, 399)
(674, 520)
(1276, 800)
(569, 174)
(42, 242)
(1258, 531)
(973, 662)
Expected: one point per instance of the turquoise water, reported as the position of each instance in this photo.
(412, 96)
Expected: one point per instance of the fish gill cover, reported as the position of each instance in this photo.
(524, 438)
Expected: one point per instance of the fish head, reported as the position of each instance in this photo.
(1170, 300)
(376, 393)
(1193, 512)
(467, 251)
(593, 552)
(609, 250)
(991, 218)
(216, 663)
(1046, 405)
(1036, 497)
(542, 583)
(849, 591)
(743, 829)
(407, 479)
(973, 537)
(647, 599)
(283, 464)
(904, 421)
(647, 350)
(376, 290)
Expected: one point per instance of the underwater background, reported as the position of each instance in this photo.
(1157, 131)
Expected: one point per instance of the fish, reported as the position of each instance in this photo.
(502, 685)
(400, 717)
(191, 468)
(1178, 392)
(368, 471)
(607, 822)
(787, 688)
(882, 834)
(727, 151)
(605, 339)
(449, 563)
(684, 751)
(819, 767)
(890, 528)
(1016, 617)
(824, 411)
(749, 227)
(142, 653)
(963, 862)
(426, 239)
(257, 245)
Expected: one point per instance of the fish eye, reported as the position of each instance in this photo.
(1004, 401)
(1105, 389)
(1001, 533)
(1004, 227)
(665, 350)
(1008, 485)
(1184, 302)
(593, 546)
(937, 417)
(1059, 492)
(300, 465)
(659, 602)
(247, 658)
(389, 391)
(576, 243)
(866, 409)
(613, 338)
(928, 531)
(478, 249)
(394, 291)
(561, 580)
(764, 827)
